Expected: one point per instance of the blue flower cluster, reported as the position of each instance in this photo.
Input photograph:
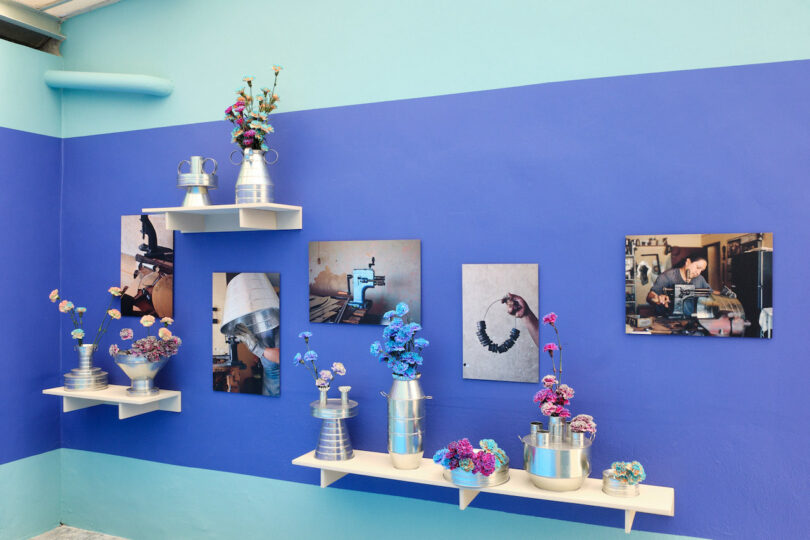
(400, 349)
(630, 472)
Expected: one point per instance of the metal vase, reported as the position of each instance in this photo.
(615, 487)
(556, 460)
(462, 478)
(86, 376)
(141, 373)
(406, 417)
(254, 185)
(334, 442)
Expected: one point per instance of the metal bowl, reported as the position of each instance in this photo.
(462, 478)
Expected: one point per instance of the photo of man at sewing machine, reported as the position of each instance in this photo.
(246, 333)
(356, 282)
(147, 266)
(699, 284)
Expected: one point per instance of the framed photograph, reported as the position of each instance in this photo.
(246, 333)
(356, 282)
(147, 266)
(717, 285)
(500, 303)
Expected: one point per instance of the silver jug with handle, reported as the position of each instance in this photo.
(254, 185)
(406, 418)
(196, 181)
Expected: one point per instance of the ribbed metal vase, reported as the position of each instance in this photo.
(254, 185)
(86, 376)
(406, 417)
(334, 443)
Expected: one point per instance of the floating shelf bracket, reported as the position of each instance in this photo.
(109, 82)
(651, 500)
(128, 406)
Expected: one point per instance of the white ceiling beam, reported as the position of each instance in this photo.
(31, 19)
(71, 8)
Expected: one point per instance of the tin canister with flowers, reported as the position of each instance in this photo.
(86, 376)
(558, 459)
(401, 351)
(148, 355)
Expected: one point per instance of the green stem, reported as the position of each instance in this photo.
(559, 346)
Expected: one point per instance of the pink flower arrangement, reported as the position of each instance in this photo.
(153, 348)
(462, 455)
(583, 423)
(249, 114)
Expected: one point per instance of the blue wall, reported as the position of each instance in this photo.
(555, 174)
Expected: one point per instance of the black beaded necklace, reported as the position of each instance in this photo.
(486, 341)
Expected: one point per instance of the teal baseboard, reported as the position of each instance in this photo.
(144, 500)
(29, 495)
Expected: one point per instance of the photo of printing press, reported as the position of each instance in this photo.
(147, 266)
(246, 333)
(356, 282)
(699, 284)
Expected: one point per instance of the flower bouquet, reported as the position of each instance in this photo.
(466, 466)
(623, 478)
(249, 114)
(401, 350)
(86, 377)
(323, 377)
(147, 356)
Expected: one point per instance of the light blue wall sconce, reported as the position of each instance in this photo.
(109, 82)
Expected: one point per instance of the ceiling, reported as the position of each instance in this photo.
(65, 8)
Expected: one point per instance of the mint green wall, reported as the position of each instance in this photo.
(29, 495)
(140, 499)
(341, 53)
(26, 103)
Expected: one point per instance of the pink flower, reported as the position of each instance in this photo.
(562, 411)
(114, 313)
(126, 333)
(550, 318)
(548, 408)
(54, 296)
(583, 423)
(550, 348)
(114, 349)
(115, 291)
(549, 381)
(65, 306)
(164, 333)
(147, 321)
(240, 121)
(565, 391)
(167, 320)
(228, 110)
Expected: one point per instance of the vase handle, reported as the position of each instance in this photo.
(275, 160)
(216, 165)
(230, 157)
(383, 394)
(179, 165)
(428, 397)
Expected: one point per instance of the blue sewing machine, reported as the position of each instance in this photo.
(359, 280)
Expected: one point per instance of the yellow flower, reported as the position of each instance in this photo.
(147, 321)
(115, 291)
(114, 313)
(164, 333)
(54, 296)
(277, 68)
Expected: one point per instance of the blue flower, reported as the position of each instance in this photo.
(438, 457)
(421, 343)
(376, 348)
(388, 315)
(400, 368)
(298, 359)
(410, 372)
(391, 346)
(402, 309)
(402, 337)
(305, 335)
(310, 356)
(414, 327)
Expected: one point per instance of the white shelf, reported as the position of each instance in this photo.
(651, 500)
(128, 406)
(231, 217)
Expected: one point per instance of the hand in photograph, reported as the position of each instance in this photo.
(517, 306)
(245, 336)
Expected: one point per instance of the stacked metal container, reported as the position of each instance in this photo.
(556, 459)
(406, 416)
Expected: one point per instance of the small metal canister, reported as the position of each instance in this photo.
(616, 488)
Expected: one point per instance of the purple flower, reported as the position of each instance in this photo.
(546, 394)
(298, 359)
(310, 356)
(550, 318)
(325, 375)
(549, 381)
(305, 335)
